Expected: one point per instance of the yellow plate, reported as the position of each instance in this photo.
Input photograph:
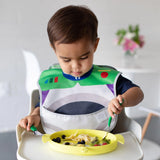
(91, 150)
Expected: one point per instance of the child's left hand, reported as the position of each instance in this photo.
(116, 105)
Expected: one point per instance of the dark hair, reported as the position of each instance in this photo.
(72, 23)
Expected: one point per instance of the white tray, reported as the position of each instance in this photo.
(31, 147)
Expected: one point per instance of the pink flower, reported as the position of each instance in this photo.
(130, 45)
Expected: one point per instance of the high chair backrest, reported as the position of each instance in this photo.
(32, 71)
(124, 123)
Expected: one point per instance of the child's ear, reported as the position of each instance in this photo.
(96, 44)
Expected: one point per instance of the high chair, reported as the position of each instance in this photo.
(31, 146)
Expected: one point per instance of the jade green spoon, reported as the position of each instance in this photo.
(34, 129)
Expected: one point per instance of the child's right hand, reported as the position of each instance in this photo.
(30, 120)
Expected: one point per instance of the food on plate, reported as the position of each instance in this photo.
(81, 140)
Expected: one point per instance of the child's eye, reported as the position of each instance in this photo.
(85, 57)
(66, 60)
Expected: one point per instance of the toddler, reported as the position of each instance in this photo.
(77, 93)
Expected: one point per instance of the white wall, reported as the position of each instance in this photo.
(23, 26)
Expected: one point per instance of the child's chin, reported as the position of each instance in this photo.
(77, 75)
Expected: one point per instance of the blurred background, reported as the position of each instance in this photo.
(25, 51)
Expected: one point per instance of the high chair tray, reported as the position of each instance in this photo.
(31, 147)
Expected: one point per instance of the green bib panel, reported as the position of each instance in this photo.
(53, 78)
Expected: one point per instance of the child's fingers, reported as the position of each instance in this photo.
(111, 113)
(120, 99)
(113, 109)
(23, 123)
(116, 107)
(30, 123)
(118, 104)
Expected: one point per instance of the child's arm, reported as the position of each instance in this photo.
(32, 119)
(131, 97)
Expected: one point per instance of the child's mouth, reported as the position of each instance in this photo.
(76, 74)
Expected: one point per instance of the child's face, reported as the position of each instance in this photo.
(76, 58)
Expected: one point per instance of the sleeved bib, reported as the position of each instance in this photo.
(77, 103)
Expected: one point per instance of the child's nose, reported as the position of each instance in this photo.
(76, 65)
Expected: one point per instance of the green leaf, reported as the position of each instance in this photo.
(120, 40)
(130, 28)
